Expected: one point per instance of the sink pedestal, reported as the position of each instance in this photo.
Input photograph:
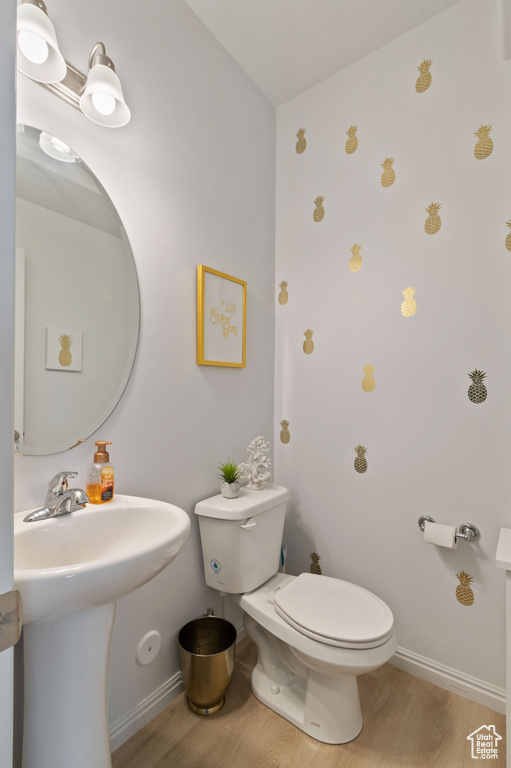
(66, 691)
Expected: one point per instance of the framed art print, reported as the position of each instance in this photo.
(221, 318)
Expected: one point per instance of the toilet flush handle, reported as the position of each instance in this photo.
(250, 523)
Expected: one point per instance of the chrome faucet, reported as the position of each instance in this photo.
(60, 500)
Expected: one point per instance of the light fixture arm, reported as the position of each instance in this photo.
(100, 58)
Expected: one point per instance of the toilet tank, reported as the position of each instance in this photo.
(242, 538)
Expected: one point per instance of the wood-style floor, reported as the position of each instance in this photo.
(407, 722)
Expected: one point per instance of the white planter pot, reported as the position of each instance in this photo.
(230, 490)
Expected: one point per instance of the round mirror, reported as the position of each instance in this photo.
(77, 298)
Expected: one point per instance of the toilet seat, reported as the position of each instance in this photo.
(334, 612)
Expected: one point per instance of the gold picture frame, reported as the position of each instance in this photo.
(221, 318)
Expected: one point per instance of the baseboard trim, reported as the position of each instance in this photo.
(145, 711)
(451, 680)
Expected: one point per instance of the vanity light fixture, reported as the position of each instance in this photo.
(99, 95)
(39, 56)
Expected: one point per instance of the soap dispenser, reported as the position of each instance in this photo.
(100, 476)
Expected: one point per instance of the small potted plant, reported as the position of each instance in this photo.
(229, 474)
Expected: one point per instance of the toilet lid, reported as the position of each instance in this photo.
(334, 612)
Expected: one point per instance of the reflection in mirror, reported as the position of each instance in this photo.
(77, 298)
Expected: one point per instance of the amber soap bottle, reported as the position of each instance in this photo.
(100, 476)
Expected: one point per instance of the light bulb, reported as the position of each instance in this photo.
(33, 47)
(104, 103)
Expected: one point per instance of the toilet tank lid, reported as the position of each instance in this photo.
(248, 503)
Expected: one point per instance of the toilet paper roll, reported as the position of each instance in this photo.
(441, 535)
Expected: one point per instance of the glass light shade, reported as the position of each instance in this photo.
(104, 85)
(32, 21)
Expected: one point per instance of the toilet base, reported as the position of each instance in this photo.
(326, 708)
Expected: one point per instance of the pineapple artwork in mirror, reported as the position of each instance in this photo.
(283, 295)
(315, 566)
(65, 356)
(319, 211)
(508, 236)
(301, 144)
(424, 80)
(464, 592)
(308, 344)
(285, 437)
(368, 382)
(356, 258)
(360, 462)
(388, 176)
(352, 140)
(477, 392)
(484, 145)
(433, 222)
(408, 305)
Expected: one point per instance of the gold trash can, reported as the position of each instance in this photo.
(206, 660)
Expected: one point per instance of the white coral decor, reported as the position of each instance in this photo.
(257, 461)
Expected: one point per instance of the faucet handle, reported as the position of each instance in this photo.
(58, 484)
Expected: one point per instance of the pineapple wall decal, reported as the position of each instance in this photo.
(308, 344)
(356, 259)
(315, 566)
(285, 437)
(65, 356)
(283, 295)
(409, 305)
(484, 146)
(368, 382)
(301, 144)
(388, 176)
(352, 140)
(360, 462)
(477, 392)
(424, 80)
(508, 237)
(433, 222)
(319, 211)
(464, 593)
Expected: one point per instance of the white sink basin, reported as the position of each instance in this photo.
(70, 563)
(70, 571)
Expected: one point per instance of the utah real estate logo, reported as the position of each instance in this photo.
(485, 743)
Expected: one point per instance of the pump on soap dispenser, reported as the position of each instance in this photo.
(100, 476)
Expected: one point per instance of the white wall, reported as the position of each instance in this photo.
(192, 177)
(430, 450)
(7, 187)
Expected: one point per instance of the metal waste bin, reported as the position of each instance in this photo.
(206, 660)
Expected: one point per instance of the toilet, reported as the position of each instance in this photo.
(314, 634)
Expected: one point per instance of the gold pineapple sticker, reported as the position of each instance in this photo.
(65, 356)
(308, 344)
(477, 392)
(424, 80)
(433, 222)
(283, 295)
(319, 211)
(285, 437)
(301, 144)
(409, 305)
(464, 593)
(508, 237)
(360, 462)
(315, 566)
(356, 259)
(484, 146)
(368, 382)
(352, 140)
(388, 176)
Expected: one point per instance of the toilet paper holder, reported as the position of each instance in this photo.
(466, 531)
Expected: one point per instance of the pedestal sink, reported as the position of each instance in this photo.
(70, 571)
